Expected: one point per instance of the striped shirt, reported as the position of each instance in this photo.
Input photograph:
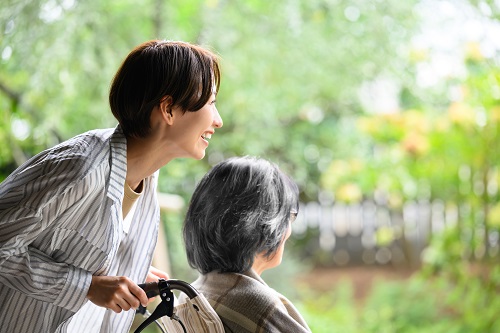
(60, 223)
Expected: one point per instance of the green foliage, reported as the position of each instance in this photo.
(447, 153)
(421, 304)
(172, 223)
(397, 307)
(286, 81)
(331, 311)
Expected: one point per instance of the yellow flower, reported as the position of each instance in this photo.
(419, 55)
(415, 144)
(416, 120)
(493, 219)
(349, 193)
(495, 114)
(385, 235)
(461, 114)
(473, 51)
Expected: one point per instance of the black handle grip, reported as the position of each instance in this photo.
(152, 289)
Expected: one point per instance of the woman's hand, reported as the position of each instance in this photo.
(155, 274)
(116, 293)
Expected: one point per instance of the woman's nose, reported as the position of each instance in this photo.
(217, 119)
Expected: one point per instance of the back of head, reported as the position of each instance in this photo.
(240, 208)
(188, 73)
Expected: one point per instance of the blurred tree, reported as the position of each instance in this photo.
(57, 60)
(292, 71)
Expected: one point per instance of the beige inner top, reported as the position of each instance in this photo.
(129, 198)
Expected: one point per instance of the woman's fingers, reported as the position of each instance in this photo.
(116, 293)
(138, 295)
(154, 274)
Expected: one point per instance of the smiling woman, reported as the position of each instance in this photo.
(71, 270)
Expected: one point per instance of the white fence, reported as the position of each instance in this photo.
(370, 233)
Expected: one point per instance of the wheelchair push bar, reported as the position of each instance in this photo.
(153, 289)
(163, 288)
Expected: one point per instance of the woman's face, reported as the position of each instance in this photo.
(191, 131)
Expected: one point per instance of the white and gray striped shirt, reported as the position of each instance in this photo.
(61, 223)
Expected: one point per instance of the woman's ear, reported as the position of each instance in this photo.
(166, 109)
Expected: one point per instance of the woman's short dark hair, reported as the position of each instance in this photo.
(188, 73)
(239, 208)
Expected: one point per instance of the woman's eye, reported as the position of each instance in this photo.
(213, 102)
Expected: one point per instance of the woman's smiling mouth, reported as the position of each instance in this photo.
(206, 136)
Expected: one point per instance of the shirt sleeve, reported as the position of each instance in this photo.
(23, 219)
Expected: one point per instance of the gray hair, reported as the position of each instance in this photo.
(239, 208)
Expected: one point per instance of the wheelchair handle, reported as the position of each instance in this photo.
(153, 289)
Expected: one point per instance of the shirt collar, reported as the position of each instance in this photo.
(117, 163)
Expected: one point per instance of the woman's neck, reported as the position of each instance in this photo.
(144, 157)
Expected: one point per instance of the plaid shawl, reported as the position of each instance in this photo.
(245, 303)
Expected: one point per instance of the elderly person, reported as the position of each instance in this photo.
(237, 223)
